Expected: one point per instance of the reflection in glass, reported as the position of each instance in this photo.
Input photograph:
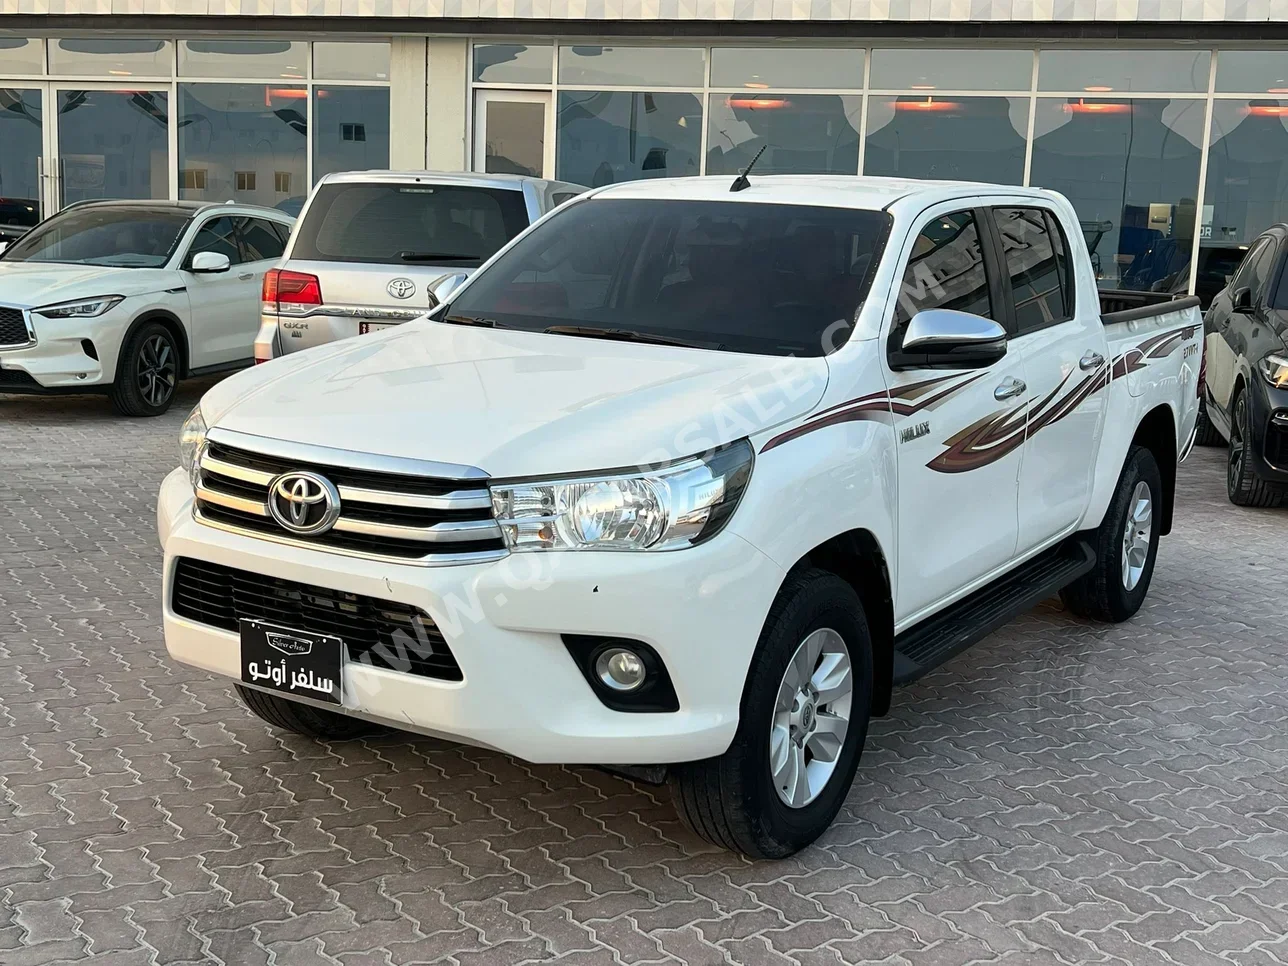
(949, 69)
(945, 270)
(609, 136)
(346, 61)
(513, 63)
(804, 133)
(952, 138)
(1099, 71)
(760, 68)
(243, 58)
(1131, 169)
(116, 57)
(112, 144)
(515, 138)
(252, 129)
(20, 151)
(1247, 182)
(644, 66)
(1254, 71)
(21, 56)
(350, 130)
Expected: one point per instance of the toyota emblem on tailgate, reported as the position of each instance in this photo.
(304, 502)
(401, 288)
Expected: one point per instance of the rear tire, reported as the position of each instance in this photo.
(1205, 434)
(302, 719)
(735, 800)
(1242, 484)
(1113, 590)
(147, 373)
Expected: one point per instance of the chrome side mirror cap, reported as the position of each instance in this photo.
(948, 339)
(441, 288)
(209, 263)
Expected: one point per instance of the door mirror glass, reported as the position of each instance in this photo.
(949, 339)
(1241, 300)
(210, 263)
(441, 289)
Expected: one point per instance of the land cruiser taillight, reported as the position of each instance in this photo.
(284, 288)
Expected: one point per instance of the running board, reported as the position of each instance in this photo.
(923, 648)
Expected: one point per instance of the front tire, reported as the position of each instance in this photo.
(1126, 545)
(148, 372)
(803, 721)
(1242, 484)
(302, 719)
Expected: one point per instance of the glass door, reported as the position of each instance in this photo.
(110, 142)
(513, 133)
(22, 159)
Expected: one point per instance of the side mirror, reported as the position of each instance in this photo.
(948, 339)
(441, 288)
(1241, 300)
(209, 263)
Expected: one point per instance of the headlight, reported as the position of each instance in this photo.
(191, 438)
(676, 506)
(84, 309)
(1275, 368)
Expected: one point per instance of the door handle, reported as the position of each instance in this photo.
(246, 276)
(1092, 360)
(1009, 389)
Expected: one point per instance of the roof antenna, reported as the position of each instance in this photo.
(741, 183)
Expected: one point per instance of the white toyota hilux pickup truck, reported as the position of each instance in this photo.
(684, 481)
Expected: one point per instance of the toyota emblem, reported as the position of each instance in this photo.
(401, 288)
(304, 502)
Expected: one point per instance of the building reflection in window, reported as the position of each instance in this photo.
(351, 129)
(947, 137)
(112, 144)
(802, 133)
(1130, 167)
(605, 137)
(251, 129)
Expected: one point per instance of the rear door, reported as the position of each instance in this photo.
(1062, 341)
(960, 433)
(376, 247)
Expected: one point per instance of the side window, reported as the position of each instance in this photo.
(1260, 271)
(260, 239)
(945, 270)
(1063, 263)
(559, 197)
(217, 235)
(1032, 267)
(1246, 274)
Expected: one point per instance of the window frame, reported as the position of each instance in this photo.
(1067, 293)
(200, 226)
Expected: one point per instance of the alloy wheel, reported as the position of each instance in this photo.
(156, 370)
(1136, 535)
(1238, 445)
(811, 717)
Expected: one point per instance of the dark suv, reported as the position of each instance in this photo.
(1245, 399)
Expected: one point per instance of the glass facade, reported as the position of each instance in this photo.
(112, 144)
(1121, 132)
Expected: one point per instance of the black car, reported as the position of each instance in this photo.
(16, 216)
(1245, 394)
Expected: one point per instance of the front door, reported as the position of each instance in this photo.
(110, 143)
(512, 133)
(224, 305)
(960, 433)
(1062, 340)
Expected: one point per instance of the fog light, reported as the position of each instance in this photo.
(620, 669)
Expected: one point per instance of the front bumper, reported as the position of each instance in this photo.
(1268, 413)
(701, 609)
(60, 359)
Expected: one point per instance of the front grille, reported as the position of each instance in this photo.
(388, 515)
(13, 327)
(378, 632)
(16, 379)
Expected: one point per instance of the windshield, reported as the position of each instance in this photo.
(409, 224)
(746, 277)
(122, 236)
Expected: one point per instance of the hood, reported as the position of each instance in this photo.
(29, 284)
(515, 403)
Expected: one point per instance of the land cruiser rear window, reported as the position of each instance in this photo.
(383, 223)
(745, 277)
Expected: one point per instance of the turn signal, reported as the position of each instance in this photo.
(284, 287)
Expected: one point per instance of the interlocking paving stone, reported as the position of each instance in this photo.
(1063, 793)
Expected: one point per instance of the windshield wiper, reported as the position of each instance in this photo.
(630, 335)
(474, 320)
(410, 256)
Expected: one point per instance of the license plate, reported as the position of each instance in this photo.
(293, 662)
(366, 327)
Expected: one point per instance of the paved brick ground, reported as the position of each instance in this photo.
(1063, 793)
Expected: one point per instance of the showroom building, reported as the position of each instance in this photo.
(1164, 121)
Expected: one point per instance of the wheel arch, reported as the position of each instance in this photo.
(1156, 432)
(857, 557)
(176, 328)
